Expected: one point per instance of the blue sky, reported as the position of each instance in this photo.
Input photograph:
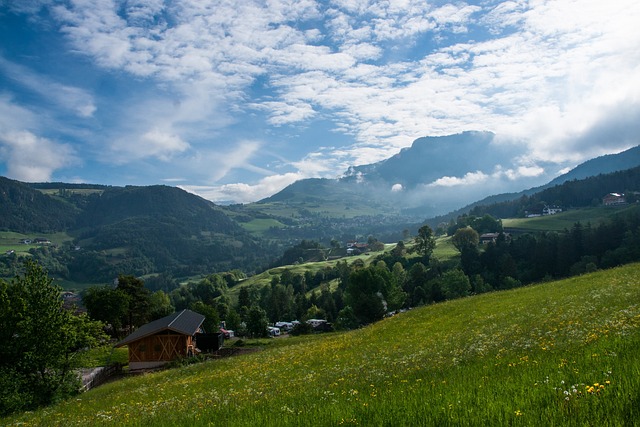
(234, 100)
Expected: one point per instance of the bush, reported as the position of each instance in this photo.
(301, 329)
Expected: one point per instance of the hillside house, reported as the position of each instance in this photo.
(163, 340)
(355, 248)
(487, 238)
(551, 210)
(613, 199)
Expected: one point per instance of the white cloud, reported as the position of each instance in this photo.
(526, 171)
(162, 144)
(245, 193)
(470, 178)
(71, 98)
(455, 16)
(156, 143)
(396, 188)
(14, 117)
(31, 158)
(282, 113)
(560, 76)
(493, 179)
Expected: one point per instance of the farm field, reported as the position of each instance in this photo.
(444, 250)
(11, 240)
(559, 353)
(564, 220)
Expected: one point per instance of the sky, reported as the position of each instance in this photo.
(234, 100)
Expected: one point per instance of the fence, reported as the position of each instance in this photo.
(94, 377)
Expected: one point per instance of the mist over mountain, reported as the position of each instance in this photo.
(606, 164)
(434, 176)
(431, 158)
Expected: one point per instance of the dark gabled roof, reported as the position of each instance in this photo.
(185, 322)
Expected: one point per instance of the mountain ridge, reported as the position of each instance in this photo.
(438, 175)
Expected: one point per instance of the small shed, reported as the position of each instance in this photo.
(163, 340)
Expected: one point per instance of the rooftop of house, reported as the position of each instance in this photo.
(184, 322)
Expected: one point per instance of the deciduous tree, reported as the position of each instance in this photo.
(257, 322)
(38, 342)
(455, 284)
(108, 305)
(464, 238)
(139, 303)
(425, 241)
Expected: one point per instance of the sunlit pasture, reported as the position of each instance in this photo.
(559, 353)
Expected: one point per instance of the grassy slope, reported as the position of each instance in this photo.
(561, 353)
(565, 220)
(264, 278)
(444, 251)
(11, 241)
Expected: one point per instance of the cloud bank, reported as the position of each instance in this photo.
(557, 77)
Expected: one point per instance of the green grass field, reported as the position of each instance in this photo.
(445, 250)
(69, 191)
(565, 220)
(559, 353)
(337, 208)
(10, 240)
(261, 225)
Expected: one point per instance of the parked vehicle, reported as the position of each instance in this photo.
(273, 331)
(228, 333)
(284, 326)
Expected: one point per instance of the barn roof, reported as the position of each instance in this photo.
(185, 322)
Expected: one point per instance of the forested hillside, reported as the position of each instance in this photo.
(133, 230)
(571, 194)
(23, 209)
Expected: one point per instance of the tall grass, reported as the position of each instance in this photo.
(560, 353)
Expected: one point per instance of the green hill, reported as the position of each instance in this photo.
(576, 193)
(560, 353)
(121, 230)
(326, 198)
(23, 209)
(160, 228)
(566, 220)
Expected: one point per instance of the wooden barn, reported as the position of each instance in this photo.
(163, 340)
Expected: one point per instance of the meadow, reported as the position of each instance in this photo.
(11, 241)
(558, 353)
(266, 276)
(565, 220)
